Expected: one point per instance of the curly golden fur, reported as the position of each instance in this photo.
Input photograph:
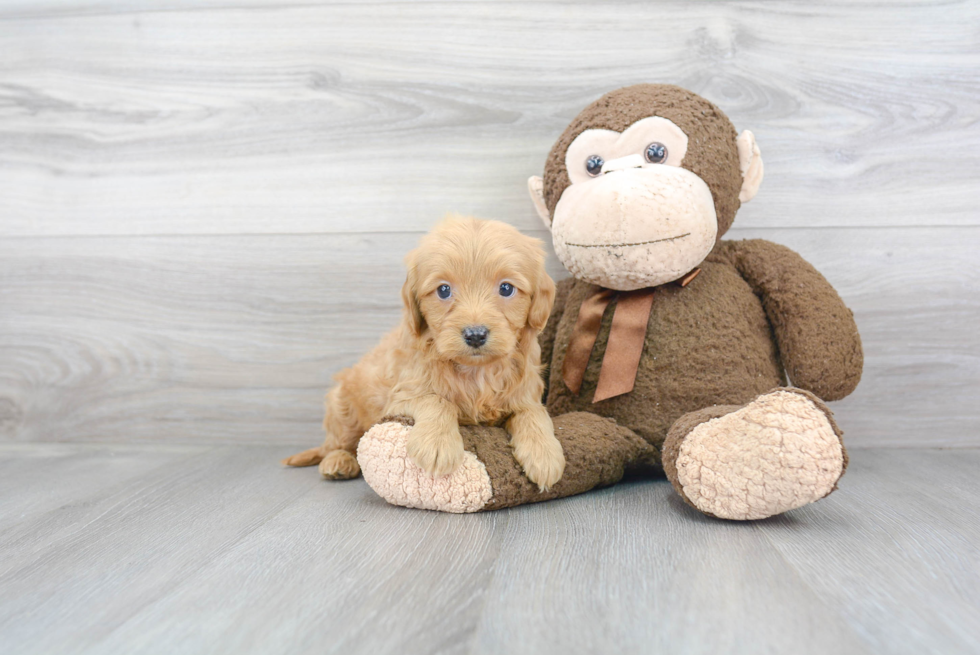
(426, 369)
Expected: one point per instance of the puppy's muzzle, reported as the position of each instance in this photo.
(475, 335)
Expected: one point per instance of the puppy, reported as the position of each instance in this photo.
(466, 352)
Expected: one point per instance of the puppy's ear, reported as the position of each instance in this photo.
(542, 299)
(410, 296)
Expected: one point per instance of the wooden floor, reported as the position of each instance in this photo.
(187, 549)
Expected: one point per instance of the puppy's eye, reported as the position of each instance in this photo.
(593, 165)
(444, 291)
(656, 153)
(507, 289)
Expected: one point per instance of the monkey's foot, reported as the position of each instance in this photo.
(779, 452)
(596, 453)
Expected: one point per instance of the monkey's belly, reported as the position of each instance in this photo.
(707, 344)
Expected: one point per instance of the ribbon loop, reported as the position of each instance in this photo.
(626, 338)
(583, 338)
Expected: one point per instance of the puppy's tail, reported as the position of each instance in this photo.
(309, 457)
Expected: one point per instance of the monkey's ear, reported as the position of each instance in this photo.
(750, 165)
(535, 185)
(410, 297)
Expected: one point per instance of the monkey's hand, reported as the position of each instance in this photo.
(818, 340)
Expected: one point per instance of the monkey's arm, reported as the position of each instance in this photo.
(818, 341)
(546, 339)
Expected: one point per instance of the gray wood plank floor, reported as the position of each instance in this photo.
(215, 549)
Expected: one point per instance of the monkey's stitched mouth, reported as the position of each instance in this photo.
(627, 245)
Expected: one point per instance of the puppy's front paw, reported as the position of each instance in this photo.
(542, 459)
(436, 453)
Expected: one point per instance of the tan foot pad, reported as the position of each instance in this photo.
(777, 453)
(388, 469)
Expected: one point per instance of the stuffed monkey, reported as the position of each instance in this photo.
(669, 349)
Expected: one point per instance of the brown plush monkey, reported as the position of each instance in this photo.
(668, 347)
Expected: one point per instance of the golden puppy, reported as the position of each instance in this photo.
(466, 353)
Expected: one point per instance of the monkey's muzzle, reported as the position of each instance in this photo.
(635, 226)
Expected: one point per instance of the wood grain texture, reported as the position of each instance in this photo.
(131, 546)
(270, 118)
(341, 585)
(631, 569)
(204, 205)
(223, 550)
(35, 482)
(187, 339)
(900, 497)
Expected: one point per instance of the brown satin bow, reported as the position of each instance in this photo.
(626, 337)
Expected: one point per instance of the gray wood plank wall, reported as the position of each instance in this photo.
(203, 207)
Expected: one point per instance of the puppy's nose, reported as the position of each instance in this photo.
(475, 335)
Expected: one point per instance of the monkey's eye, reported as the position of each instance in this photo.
(593, 165)
(507, 289)
(444, 291)
(656, 153)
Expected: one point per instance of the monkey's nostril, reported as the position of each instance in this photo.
(475, 335)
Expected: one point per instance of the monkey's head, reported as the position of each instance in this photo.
(642, 184)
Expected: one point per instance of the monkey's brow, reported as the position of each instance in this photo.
(622, 245)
